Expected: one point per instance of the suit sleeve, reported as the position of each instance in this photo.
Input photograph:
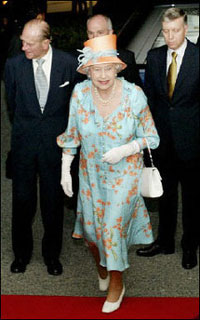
(10, 86)
(149, 87)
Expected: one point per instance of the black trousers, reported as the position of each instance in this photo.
(176, 172)
(30, 172)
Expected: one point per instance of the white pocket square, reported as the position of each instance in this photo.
(64, 84)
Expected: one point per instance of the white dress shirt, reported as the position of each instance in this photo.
(180, 53)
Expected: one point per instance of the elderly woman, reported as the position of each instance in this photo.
(110, 120)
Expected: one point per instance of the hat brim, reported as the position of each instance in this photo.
(102, 60)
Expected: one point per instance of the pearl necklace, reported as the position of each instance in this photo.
(111, 95)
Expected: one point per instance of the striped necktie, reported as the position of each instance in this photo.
(41, 84)
(172, 75)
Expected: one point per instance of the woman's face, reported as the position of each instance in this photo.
(103, 75)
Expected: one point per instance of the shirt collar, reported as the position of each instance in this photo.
(47, 55)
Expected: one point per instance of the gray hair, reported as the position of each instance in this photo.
(174, 13)
(107, 19)
(42, 26)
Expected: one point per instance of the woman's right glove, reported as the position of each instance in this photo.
(66, 179)
(116, 154)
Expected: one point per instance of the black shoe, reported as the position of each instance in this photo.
(154, 249)
(189, 259)
(18, 265)
(54, 267)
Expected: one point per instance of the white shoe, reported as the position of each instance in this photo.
(104, 283)
(112, 306)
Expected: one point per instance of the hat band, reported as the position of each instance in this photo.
(87, 54)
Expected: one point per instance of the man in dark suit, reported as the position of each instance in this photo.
(175, 108)
(15, 48)
(39, 116)
(101, 25)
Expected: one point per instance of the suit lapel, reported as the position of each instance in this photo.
(185, 67)
(162, 63)
(29, 84)
(55, 80)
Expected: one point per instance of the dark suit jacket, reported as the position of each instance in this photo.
(30, 126)
(131, 72)
(176, 120)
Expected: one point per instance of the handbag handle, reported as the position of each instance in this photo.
(150, 155)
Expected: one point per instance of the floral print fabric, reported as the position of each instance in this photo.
(111, 212)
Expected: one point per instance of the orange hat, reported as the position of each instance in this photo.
(99, 50)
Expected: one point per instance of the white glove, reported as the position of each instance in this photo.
(66, 179)
(116, 154)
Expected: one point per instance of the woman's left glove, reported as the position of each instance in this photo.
(116, 154)
(66, 179)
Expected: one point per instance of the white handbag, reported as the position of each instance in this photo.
(151, 181)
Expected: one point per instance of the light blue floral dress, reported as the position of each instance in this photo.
(111, 212)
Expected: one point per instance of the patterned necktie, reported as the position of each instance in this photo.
(41, 84)
(172, 75)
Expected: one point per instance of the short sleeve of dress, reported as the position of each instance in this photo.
(70, 139)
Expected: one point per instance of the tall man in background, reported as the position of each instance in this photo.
(38, 85)
(172, 88)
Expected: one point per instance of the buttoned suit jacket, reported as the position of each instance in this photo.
(30, 126)
(177, 120)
